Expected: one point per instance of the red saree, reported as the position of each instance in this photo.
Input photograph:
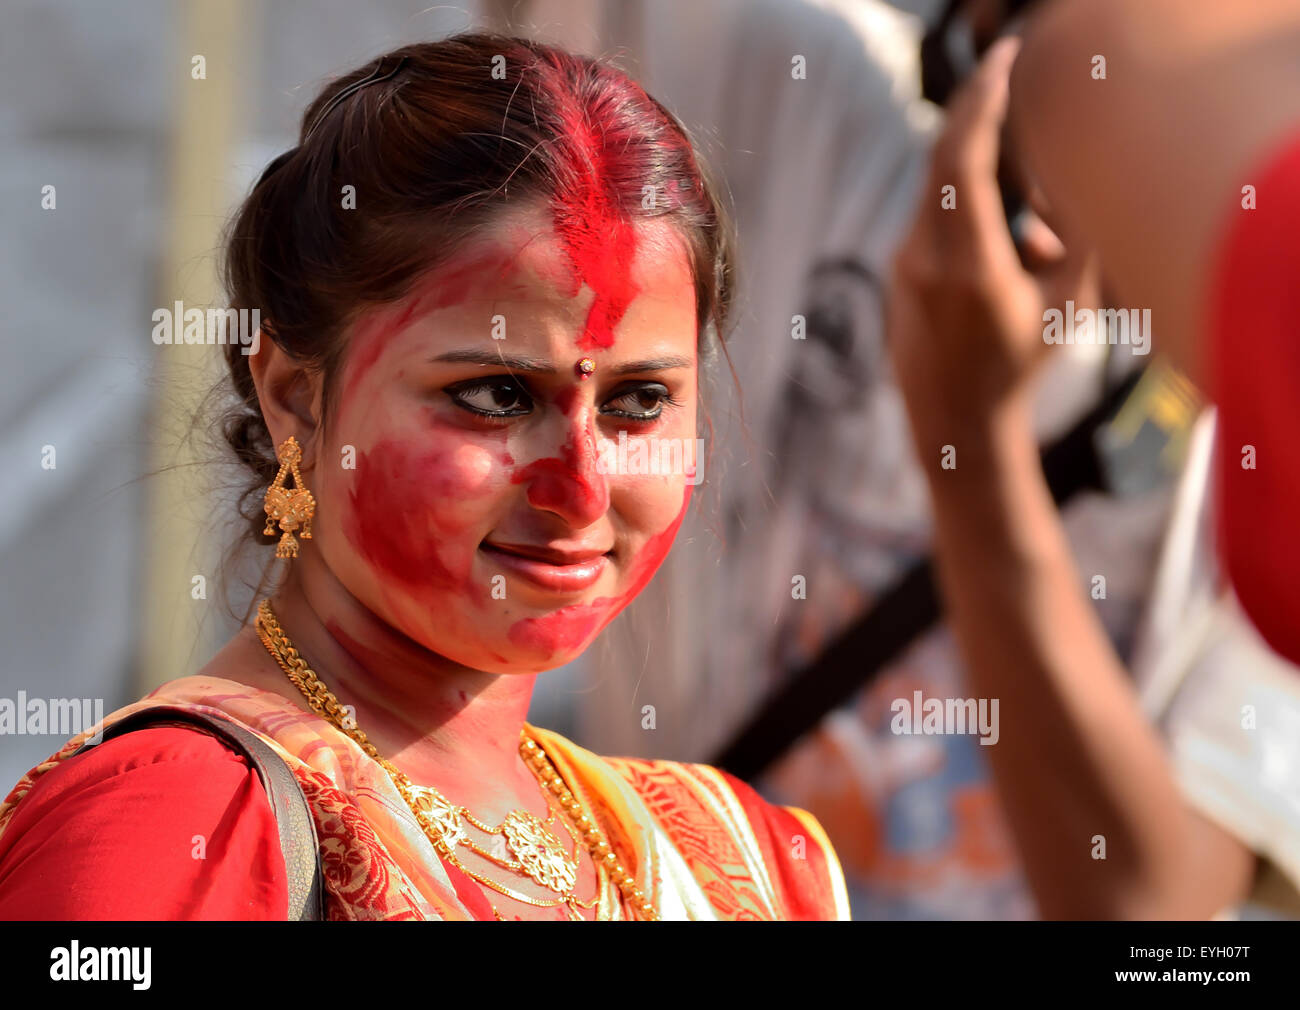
(701, 844)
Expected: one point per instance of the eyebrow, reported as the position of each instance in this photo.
(540, 366)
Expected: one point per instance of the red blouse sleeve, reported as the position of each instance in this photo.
(158, 824)
(1255, 354)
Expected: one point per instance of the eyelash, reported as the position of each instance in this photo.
(504, 382)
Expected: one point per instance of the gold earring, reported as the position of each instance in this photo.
(290, 507)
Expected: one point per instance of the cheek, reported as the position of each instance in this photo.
(412, 510)
(571, 628)
(671, 498)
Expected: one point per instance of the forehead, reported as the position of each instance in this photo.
(517, 287)
(605, 283)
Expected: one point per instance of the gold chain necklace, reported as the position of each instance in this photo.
(526, 836)
(538, 854)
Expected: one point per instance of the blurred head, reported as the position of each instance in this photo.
(430, 265)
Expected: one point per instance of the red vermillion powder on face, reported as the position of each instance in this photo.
(569, 628)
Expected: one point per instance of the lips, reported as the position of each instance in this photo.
(549, 568)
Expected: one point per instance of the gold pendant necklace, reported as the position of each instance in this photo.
(531, 849)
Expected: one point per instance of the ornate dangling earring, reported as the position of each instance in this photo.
(292, 507)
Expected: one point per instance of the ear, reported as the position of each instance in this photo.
(289, 393)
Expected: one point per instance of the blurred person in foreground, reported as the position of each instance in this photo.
(924, 827)
(1187, 182)
(1110, 819)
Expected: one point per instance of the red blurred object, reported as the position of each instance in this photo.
(1255, 369)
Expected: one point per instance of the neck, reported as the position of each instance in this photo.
(441, 723)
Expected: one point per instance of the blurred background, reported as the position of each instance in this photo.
(149, 120)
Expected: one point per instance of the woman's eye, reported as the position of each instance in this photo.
(492, 398)
(645, 403)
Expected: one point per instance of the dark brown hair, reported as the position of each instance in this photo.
(434, 151)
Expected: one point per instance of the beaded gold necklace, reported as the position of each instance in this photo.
(531, 849)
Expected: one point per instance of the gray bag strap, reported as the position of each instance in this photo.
(298, 839)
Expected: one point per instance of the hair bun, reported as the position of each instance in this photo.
(276, 164)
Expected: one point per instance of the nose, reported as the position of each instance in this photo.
(570, 483)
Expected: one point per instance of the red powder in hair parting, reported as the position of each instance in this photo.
(598, 238)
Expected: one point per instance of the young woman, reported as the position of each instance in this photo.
(486, 263)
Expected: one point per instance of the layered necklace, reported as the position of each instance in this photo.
(524, 844)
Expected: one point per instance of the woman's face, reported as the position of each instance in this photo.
(469, 488)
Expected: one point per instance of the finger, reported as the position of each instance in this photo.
(1039, 246)
(966, 157)
(978, 109)
(1076, 278)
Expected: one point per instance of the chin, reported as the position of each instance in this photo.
(554, 637)
(505, 657)
(530, 639)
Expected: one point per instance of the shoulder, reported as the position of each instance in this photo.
(713, 818)
(161, 823)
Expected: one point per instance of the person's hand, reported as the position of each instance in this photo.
(965, 315)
